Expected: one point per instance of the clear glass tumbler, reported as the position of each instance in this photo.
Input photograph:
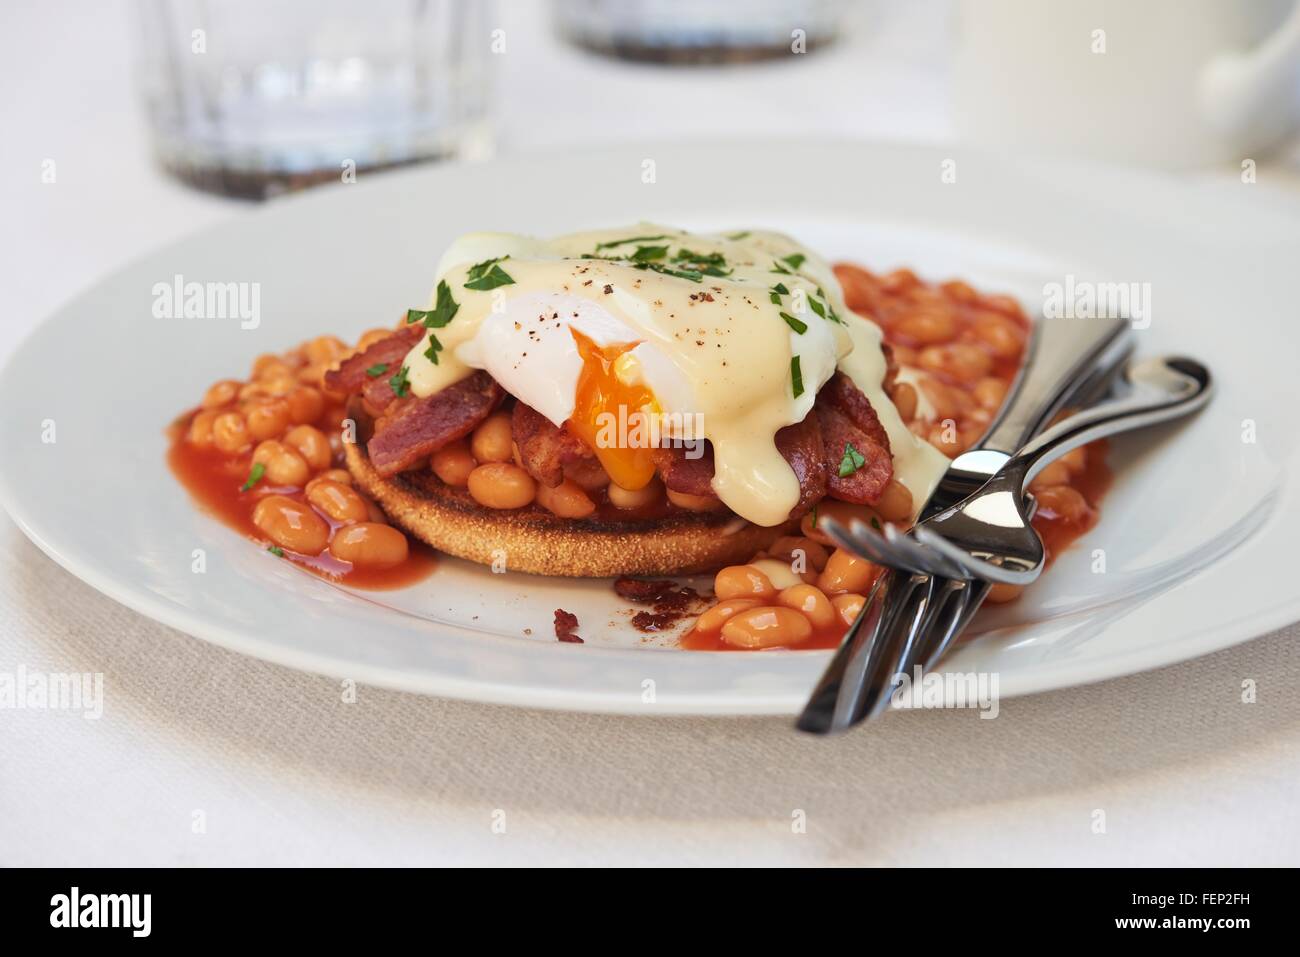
(248, 98)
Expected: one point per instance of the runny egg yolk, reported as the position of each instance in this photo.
(609, 411)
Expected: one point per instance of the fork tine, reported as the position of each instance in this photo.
(968, 566)
(936, 563)
(869, 545)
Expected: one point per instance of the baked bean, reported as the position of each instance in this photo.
(743, 581)
(280, 385)
(567, 500)
(368, 545)
(1062, 502)
(337, 475)
(848, 607)
(999, 335)
(958, 360)
(694, 503)
(989, 393)
(305, 404)
(311, 444)
(846, 572)
(958, 291)
(945, 403)
(793, 547)
(895, 504)
(811, 602)
(230, 432)
(311, 375)
(590, 475)
(766, 627)
(900, 280)
(324, 349)
(947, 438)
(905, 401)
(1055, 473)
(1005, 305)
(928, 326)
(284, 466)
(221, 393)
(713, 619)
(1001, 593)
(491, 440)
(267, 368)
(501, 485)
(779, 573)
(340, 502)
(267, 419)
(904, 355)
(1076, 460)
(452, 463)
(648, 494)
(842, 512)
(291, 524)
(200, 433)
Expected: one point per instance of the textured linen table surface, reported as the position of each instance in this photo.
(281, 771)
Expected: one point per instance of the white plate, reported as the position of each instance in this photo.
(1194, 535)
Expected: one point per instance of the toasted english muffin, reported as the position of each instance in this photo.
(534, 540)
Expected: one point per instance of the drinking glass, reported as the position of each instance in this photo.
(249, 98)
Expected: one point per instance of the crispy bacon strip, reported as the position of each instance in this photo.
(685, 475)
(412, 429)
(801, 445)
(350, 377)
(544, 449)
(847, 418)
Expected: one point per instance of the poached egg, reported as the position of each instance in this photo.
(726, 337)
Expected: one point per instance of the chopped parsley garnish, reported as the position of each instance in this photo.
(435, 347)
(444, 308)
(777, 267)
(693, 275)
(777, 292)
(645, 254)
(624, 242)
(399, 383)
(795, 324)
(254, 476)
(794, 260)
(277, 551)
(709, 264)
(740, 235)
(817, 307)
(796, 376)
(852, 461)
(488, 275)
(376, 370)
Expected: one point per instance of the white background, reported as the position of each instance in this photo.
(284, 772)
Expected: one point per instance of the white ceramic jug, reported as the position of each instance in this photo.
(1174, 83)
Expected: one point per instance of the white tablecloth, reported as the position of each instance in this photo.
(277, 769)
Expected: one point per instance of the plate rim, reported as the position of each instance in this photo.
(1036, 679)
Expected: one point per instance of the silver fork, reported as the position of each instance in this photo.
(988, 534)
(905, 616)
